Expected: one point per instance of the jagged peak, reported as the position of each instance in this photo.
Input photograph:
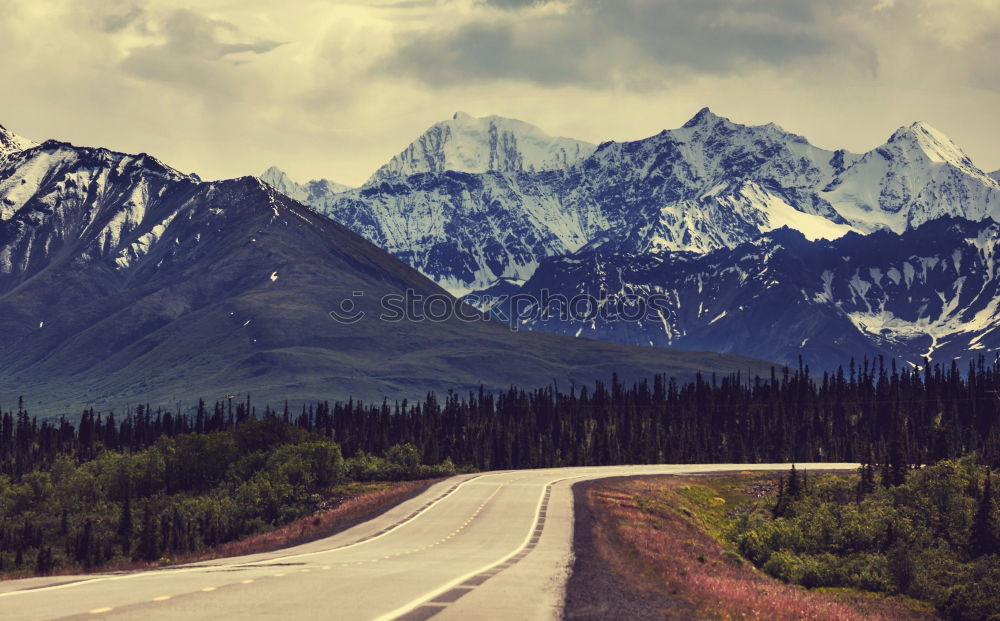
(11, 142)
(933, 143)
(276, 177)
(103, 156)
(704, 117)
(461, 116)
(282, 182)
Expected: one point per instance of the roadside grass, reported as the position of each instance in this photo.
(665, 534)
(344, 506)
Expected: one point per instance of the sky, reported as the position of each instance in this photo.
(335, 88)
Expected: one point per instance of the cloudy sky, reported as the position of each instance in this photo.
(333, 88)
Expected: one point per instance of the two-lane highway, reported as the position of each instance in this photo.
(490, 546)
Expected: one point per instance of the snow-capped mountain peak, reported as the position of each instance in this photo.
(995, 175)
(316, 192)
(12, 143)
(705, 124)
(918, 175)
(711, 184)
(704, 118)
(465, 143)
(922, 138)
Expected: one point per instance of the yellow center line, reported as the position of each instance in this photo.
(208, 589)
(161, 598)
(247, 581)
(97, 611)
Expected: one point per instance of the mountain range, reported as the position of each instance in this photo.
(710, 184)
(930, 292)
(645, 215)
(123, 280)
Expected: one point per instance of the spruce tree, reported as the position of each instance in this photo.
(985, 536)
(794, 487)
(149, 547)
(125, 526)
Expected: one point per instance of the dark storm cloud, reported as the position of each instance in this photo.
(630, 41)
(481, 52)
(118, 17)
(192, 42)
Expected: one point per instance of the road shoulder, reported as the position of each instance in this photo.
(596, 590)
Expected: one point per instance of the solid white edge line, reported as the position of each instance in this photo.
(388, 532)
(405, 608)
(173, 572)
(690, 469)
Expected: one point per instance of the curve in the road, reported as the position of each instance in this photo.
(474, 549)
(430, 604)
(369, 538)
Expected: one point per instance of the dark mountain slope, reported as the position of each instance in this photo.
(124, 281)
(933, 291)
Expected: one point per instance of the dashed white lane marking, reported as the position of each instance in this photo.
(405, 608)
(247, 581)
(209, 589)
(278, 575)
(457, 531)
(420, 512)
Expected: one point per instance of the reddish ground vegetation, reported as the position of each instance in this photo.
(351, 505)
(644, 531)
(343, 512)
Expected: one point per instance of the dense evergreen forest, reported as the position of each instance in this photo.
(154, 487)
(151, 482)
(933, 534)
(867, 412)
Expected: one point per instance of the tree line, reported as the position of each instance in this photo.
(870, 412)
(152, 482)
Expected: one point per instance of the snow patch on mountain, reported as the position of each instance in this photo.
(775, 213)
(12, 143)
(931, 292)
(478, 145)
(140, 247)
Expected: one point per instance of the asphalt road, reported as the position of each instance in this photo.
(491, 546)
